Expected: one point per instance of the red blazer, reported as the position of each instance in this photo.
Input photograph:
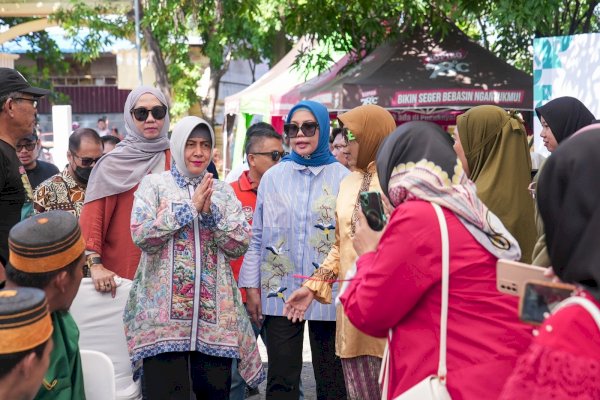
(398, 287)
(105, 228)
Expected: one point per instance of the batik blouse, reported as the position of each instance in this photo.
(184, 297)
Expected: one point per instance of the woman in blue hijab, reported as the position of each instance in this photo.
(292, 232)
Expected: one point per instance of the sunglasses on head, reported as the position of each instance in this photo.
(275, 155)
(85, 161)
(141, 113)
(308, 129)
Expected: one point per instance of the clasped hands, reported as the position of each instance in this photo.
(201, 199)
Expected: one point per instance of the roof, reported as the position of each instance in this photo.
(420, 72)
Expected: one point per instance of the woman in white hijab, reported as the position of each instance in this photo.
(185, 317)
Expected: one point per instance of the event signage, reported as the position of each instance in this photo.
(565, 66)
(369, 97)
(457, 96)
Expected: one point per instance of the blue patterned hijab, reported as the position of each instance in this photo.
(322, 155)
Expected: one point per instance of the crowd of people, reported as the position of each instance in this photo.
(137, 250)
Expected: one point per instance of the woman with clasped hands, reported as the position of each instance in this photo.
(184, 317)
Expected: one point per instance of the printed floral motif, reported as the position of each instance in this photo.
(277, 264)
(184, 296)
(293, 228)
(324, 209)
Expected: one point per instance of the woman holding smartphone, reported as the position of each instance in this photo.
(397, 286)
(564, 358)
(364, 127)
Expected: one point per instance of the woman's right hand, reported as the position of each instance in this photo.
(202, 194)
(297, 304)
(253, 306)
(104, 279)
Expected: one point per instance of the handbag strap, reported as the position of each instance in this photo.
(589, 306)
(442, 371)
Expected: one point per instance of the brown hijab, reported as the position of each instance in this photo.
(495, 145)
(370, 124)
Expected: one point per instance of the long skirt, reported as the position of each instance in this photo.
(361, 375)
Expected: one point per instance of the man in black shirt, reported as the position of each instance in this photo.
(18, 102)
(28, 150)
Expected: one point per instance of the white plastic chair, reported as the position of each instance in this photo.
(99, 318)
(98, 375)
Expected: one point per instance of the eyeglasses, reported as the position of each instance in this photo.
(275, 155)
(348, 135)
(34, 102)
(85, 161)
(29, 146)
(141, 113)
(308, 129)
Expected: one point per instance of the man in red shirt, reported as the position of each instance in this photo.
(264, 149)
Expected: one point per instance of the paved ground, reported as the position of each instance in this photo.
(308, 377)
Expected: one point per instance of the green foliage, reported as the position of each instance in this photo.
(103, 24)
(261, 29)
(47, 57)
(507, 27)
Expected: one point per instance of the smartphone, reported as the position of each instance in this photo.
(372, 207)
(540, 298)
(512, 275)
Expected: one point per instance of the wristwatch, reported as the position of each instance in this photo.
(90, 261)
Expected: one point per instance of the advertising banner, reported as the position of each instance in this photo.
(565, 66)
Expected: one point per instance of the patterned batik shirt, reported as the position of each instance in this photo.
(184, 297)
(59, 192)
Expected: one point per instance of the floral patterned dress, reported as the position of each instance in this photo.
(184, 297)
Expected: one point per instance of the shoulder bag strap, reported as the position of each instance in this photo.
(589, 306)
(442, 371)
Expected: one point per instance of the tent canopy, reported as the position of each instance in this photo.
(423, 72)
(256, 98)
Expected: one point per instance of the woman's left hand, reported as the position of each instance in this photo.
(365, 239)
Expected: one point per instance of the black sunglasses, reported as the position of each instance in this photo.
(275, 155)
(141, 113)
(308, 129)
(29, 146)
(85, 161)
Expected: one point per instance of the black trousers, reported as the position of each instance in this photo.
(284, 348)
(167, 376)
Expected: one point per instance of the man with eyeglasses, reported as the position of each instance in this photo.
(18, 102)
(28, 150)
(339, 144)
(66, 191)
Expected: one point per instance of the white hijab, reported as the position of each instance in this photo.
(181, 133)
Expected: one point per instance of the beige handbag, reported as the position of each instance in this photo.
(434, 386)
